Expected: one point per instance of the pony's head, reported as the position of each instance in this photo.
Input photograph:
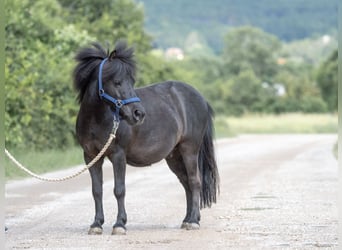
(114, 74)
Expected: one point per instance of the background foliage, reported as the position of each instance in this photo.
(172, 22)
(252, 72)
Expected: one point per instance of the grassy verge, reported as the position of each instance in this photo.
(271, 124)
(42, 162)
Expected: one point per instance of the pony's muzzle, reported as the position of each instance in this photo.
(133, 113)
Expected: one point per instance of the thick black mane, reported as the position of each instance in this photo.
(89, 59)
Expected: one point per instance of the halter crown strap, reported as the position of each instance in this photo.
(117, 102)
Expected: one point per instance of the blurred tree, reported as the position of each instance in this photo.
(152, 69)
(86, 10)
(40, 103)
(301, 92)
(327, 79)
(42, 38)
(248, 94)
(251, 48)
(110, 20)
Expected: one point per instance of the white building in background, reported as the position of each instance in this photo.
(279, 88)
(174, 54)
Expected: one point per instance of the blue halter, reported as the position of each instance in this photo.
(117, 102)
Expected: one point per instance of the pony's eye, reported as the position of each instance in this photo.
(117, 83)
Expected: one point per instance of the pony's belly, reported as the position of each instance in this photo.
(137, 164)
(143, 157)
(145, 163)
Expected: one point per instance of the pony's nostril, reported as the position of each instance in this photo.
(139, 115)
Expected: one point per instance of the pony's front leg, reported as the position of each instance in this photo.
(118, 160)
(96, 181)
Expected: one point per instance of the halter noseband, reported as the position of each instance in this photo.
(117, 102)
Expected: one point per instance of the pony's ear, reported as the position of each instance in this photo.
(112, 55)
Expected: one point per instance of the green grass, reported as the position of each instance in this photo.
(42, 162)
(272, 124)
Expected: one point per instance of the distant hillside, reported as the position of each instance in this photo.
(171, 22)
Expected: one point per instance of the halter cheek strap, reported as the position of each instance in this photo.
(117, 102)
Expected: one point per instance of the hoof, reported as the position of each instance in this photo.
(190, 226)
(95, 231)
(184, 225)
(119, 231)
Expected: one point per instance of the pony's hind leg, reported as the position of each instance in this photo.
(96, 181)
(189, 154)
(176, 164)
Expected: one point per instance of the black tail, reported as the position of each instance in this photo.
(207, 165)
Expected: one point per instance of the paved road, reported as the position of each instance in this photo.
(277, 192)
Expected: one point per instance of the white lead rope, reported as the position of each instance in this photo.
(89, 165)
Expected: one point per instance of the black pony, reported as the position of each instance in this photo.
(168, 120)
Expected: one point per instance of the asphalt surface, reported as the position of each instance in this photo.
(277, 192)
